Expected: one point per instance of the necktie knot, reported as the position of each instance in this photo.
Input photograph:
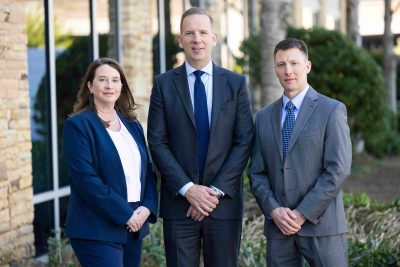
(198, 73)
(290, 106)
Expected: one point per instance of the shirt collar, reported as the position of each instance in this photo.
(297, 100)
(207, 68)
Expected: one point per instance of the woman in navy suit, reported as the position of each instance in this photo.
(113, 185)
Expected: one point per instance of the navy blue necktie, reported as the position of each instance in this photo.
(287, 128)
(201, 118)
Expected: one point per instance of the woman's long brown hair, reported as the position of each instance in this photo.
(125, 104)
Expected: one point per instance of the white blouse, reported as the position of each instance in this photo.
(130, 158)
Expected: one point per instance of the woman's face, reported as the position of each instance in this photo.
(106, 86)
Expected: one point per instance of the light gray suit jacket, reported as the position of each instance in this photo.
(317, 163)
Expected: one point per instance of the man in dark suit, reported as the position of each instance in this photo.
(301, 157)
(200, 131)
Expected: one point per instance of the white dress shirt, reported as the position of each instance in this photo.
(131, 161)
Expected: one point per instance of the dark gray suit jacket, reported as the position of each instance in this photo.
(317, 163)
(172, 140)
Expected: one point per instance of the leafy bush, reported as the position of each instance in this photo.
(61, 253)
(153, 247)
(374, 231)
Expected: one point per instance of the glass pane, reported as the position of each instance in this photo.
(105, 23)
(72, 29)
(39, 98)
(63, 211)
(43, 224)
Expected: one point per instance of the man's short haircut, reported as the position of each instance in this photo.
(291, 43)
(195, 11)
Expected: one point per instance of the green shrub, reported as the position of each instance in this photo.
(153, 247)
(374, 230)
(60, 252)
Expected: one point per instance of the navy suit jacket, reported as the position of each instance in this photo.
(172, 140)
(98, 207)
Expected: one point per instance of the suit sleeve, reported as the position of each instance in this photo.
(174, 176)
(259, 182)
(227, 179)
(150, 199)
(336, 163)
(90, 187)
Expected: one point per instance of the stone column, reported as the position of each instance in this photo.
(136, 58)
(16, 206)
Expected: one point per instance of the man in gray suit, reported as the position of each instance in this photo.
(200, 131)
(300, 159)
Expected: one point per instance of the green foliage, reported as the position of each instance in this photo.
(36, 34)
(61, 253)
(251, 57)
(356, 201)
(253, 243)
(370, 254)
(374, 229)
(153, 247)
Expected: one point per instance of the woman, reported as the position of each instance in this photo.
(113, 186)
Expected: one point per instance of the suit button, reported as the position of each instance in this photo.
(194, 146)
(283, 193)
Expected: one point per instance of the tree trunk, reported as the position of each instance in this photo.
(389, 59)
(275, 16)
(352, 21)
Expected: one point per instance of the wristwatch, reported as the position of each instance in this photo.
(218, 192)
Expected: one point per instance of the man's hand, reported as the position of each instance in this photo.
(299, 217)
(202, 198)
(138, 218)
(194, 214)
(285, 220)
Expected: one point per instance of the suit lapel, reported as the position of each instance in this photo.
(181, 85)
(276, 125)
(219, 90)
(307, 108)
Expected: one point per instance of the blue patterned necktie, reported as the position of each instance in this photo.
(287, 128)
(201, 119)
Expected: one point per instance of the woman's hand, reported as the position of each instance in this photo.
(138, 218)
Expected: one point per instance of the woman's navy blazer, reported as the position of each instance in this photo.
(98, 207)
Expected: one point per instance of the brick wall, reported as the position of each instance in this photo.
(16, 207)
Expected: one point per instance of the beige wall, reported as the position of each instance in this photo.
(16, 207)
(136, 31)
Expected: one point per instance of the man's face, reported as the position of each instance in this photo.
(197, 39)
(291, 68)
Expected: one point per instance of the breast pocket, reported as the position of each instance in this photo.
(311, 133)
(228, 105)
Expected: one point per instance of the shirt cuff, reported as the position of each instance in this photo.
(185, 188)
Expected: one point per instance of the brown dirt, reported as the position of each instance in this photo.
(379, 178)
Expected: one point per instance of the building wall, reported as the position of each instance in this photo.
(16, 207)
(136, 31)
